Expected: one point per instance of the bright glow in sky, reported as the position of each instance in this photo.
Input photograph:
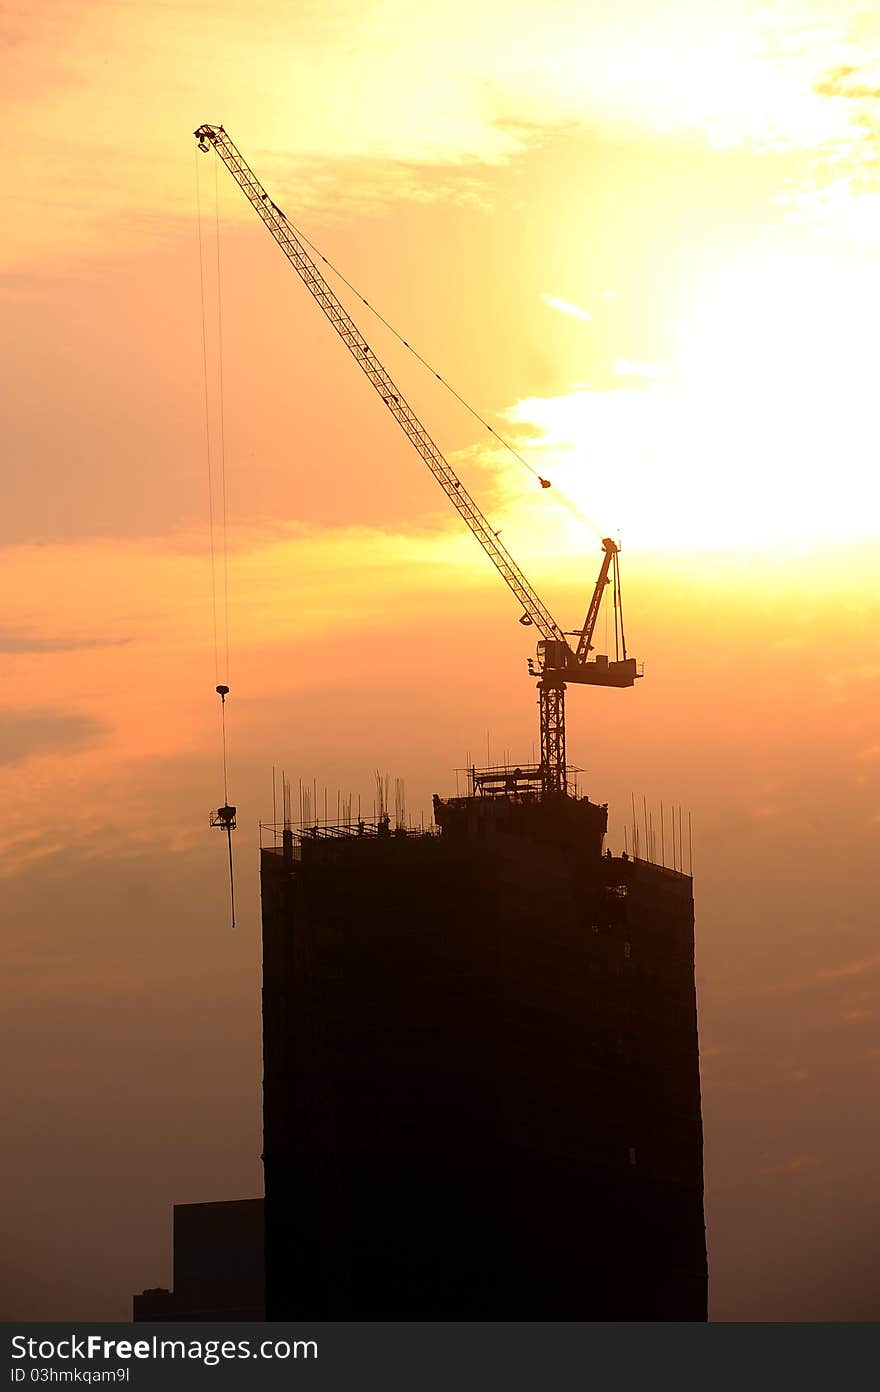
(642, 237)
(759, 430)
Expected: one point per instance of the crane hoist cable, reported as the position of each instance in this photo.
(222, 423)
(545, 483)
(208, 452)
(223, 817)
(566, 501)
(216, 459)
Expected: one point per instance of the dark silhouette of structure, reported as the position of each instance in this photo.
(481, 1078)
(218, 1266)
(556, 662)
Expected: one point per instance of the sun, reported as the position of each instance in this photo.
(761, 429)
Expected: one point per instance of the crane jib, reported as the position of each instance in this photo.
(558, 663)
(308, 271)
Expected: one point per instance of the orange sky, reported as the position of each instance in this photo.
(642, 239)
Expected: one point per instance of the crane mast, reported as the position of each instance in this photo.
(556, 660)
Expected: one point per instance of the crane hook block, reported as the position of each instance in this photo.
(222, 692)
(545, 483)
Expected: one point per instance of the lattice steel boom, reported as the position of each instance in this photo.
(307, 270)
(557, 661)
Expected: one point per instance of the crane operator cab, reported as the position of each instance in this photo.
(552, 655)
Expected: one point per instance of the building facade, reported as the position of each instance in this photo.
(481, 1075)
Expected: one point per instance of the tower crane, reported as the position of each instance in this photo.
(557, 662)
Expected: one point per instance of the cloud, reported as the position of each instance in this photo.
(565, 307)
(844, 82)
(16, 640)
(825, 974)
(350, 186)
(850, 969)
(24, 734)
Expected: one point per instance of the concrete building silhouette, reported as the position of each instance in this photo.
(218, 1266)
(481, 1076)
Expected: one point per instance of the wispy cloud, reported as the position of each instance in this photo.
(850, 969)
(825, 974)
(16, 640)
(849, 82)
(25, 733)
(565, 307)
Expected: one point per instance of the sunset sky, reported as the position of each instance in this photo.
(643, 240)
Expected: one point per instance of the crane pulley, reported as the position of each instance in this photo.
(556, 662)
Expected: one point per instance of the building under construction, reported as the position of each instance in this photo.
(481, 1080)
